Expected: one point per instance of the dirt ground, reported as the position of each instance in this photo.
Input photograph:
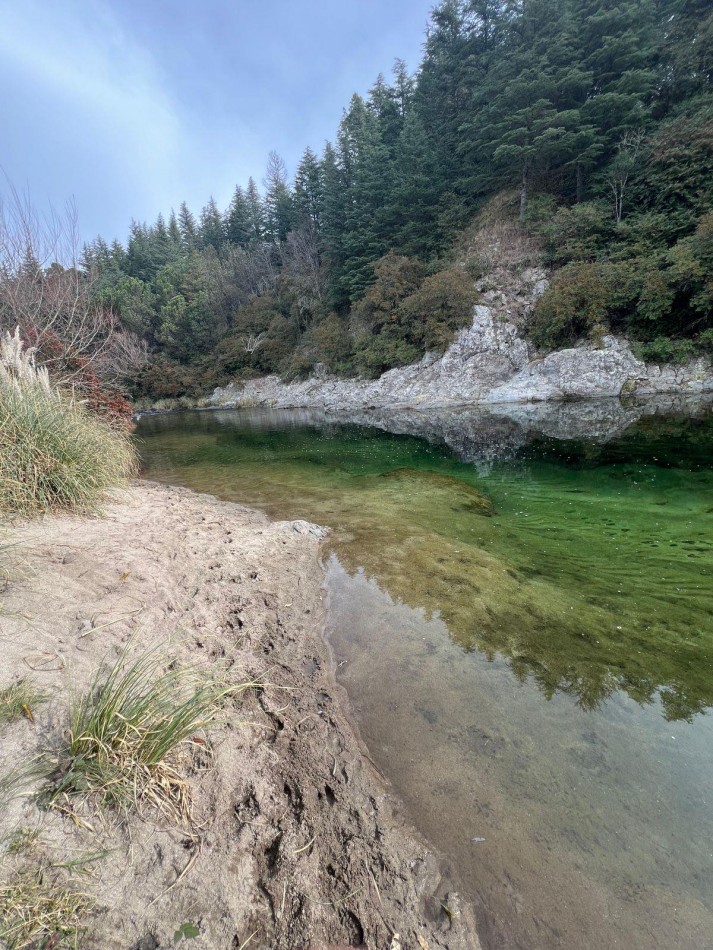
(297, 841)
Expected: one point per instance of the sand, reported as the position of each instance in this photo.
(297, 840)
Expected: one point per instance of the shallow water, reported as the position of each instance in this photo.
(524, 625)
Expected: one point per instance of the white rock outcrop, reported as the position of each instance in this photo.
(489, 362)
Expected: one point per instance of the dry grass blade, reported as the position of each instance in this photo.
(18, 700)
(39, 909)
(126, 731)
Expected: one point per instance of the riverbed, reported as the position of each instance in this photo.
(520, 609)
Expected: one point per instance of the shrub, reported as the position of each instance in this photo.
(396, 278)
(705, 342)
(54, 454)
(692, 267)
(377, 354)
(332, 342)
(442, 304)
(662, 349)
(576, 233)
(300, 367)
(574, 305)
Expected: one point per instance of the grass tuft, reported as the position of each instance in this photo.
(22, 840)
(38, 908)
(19, 700)
(126, 732)
(54, 454)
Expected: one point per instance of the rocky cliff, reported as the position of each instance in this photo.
(488, 362)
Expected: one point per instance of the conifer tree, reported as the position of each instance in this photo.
(308, 191)
(279, 210)
(413, 202)
(211, 233)
(187, 227)
(174, 232)
(333, 212)
(238, 220)
(256, 212)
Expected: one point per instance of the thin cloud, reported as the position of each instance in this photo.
(80, 55)
(132, 108)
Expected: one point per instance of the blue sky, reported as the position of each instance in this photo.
(130, 107)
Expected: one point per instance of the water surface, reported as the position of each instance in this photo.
(521, 609)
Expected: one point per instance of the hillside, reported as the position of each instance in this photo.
(585, 127)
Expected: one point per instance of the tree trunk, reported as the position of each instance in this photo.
(523, 193)
(580, 183)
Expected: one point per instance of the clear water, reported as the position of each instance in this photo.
(524, 625)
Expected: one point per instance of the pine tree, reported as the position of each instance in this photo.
(211, 233)
(368, 233)
(383, 104)
(279, 211)
(187, 227)
(351, 137)
(442, 97)
(140, 257)
(412, 207)
(117, 255)
(308, 190)
(687, 50)
(333, 212)
(256, 212)
(237, 219)
(403, 89)
(174, 232)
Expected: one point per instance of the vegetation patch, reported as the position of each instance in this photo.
(40, 908)
(19, 700)
(54, 454)
(126, 732)
(502, 151)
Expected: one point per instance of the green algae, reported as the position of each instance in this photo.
(459, 497)
(591, 574)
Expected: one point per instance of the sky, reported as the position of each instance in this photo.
(131, 107)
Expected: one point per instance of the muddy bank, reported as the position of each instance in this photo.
(297, 841)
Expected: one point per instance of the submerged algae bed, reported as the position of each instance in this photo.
(528, 621)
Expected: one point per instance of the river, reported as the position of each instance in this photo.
(520, 604)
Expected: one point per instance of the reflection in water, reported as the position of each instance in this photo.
(525, 567)
(597, 827)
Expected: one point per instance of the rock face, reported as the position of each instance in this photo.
(577, 373)
(489, 362)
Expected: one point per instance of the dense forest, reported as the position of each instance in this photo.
(586, 123)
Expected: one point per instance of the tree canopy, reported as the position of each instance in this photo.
(595, 115)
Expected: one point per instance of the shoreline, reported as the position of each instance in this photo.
(317, 851)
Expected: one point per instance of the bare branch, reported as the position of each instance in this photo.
(44, 292)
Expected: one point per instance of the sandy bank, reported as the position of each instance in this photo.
(296, 840)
